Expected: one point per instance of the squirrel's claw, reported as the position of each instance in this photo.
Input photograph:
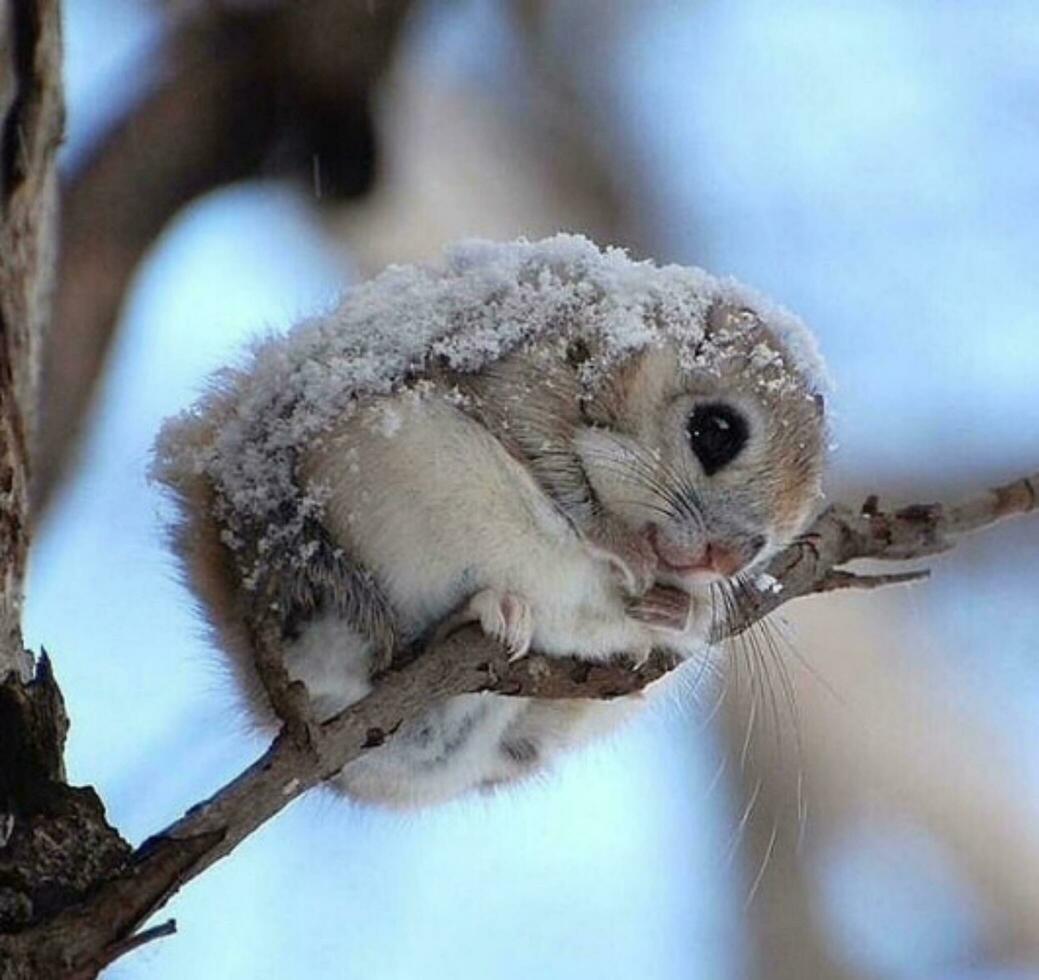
(505, 617)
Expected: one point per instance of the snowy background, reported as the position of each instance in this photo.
(873, 166)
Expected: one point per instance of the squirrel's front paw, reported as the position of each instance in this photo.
(663, 608)
(629, 553)
(505, 617)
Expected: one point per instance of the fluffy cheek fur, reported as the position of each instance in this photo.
(623, 476)
(652, 491)
(752, 508)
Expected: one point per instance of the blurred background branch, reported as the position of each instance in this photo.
(237, 91)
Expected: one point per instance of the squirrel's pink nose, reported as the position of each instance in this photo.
(724, 560)
(728, 560)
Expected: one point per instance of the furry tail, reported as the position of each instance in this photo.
(207, 563)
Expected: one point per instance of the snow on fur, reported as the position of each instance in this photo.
(479, 302)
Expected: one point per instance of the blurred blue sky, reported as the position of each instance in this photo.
(874, 166)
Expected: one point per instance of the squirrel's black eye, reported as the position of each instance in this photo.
(717, 433)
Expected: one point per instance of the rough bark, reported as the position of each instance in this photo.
(31, 107)
(54, 841)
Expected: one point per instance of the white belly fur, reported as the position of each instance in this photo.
(435, 507)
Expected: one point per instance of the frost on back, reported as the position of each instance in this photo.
(481, 301)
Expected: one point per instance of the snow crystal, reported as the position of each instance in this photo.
(478, 303)
(763, 356)
(768, 583)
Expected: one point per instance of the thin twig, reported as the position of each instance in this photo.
(841, 535)
(841, 579)
(119, 949)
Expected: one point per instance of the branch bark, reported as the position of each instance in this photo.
(54, 841)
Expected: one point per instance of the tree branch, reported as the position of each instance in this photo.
(54, 841)
(307, 753)
(841, 535)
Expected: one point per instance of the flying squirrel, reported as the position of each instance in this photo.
(575, 449)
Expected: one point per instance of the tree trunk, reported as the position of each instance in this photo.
(54, 841)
